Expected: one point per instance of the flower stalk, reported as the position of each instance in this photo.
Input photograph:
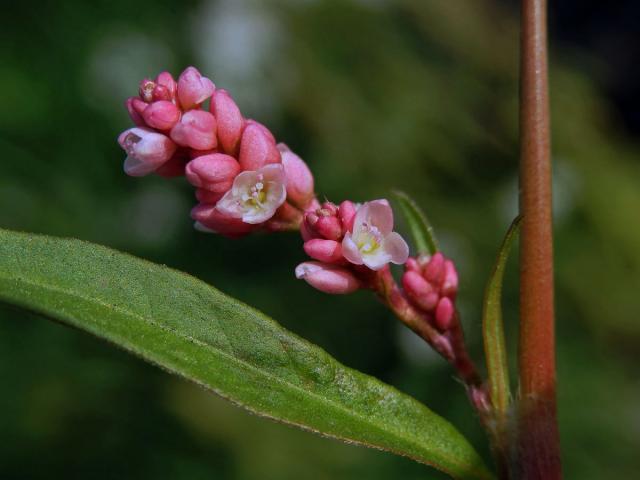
(538, 439)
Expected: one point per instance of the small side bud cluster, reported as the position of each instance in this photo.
(431, 284)
(244, 180)
(347, 243)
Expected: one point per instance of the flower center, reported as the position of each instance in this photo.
(369, 239)
(256, 195)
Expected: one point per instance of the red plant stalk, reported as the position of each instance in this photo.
(538, 443)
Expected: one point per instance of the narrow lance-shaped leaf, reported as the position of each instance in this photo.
(421, 229)
(193, 330)
(493, 329)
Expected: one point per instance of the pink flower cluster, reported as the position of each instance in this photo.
(244, 180)
(431, 284)
(347, 242)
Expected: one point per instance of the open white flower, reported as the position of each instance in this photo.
(372, 241)
(255, 195)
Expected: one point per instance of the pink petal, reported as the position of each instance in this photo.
(257, 148)
(214, 172)
(328, 251)
(299, 178)
(327, 278)
(444, 314)
(230, 121)
(193, 88)
(165, 79)
(213, 219)
(347, 213)
(162, 115)
(450, 282)
(135, 112)
(146, 150)
(434, 269)
(196, 129)
(419, 290)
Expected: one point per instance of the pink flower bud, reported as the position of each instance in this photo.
(257, 148)
(146, 150)
(328, 208)
(146, 90)
(230, 121)
(444, 314)
(193, 88)
(162, 115)
(434, 269)
(165, 80)
(347, 213)
(413, 265)
(216, 221)
(450, 282)
(136, 107)
(207, 196)
(328, 251)
(214, 172)
(419, 290)
(327, 278)
(267, 132)
(160, 92)
(196, 129)
(299, 177)
(328, 227)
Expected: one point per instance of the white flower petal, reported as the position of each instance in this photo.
(274, 172)
(229, 205)
(380, 215)
(396, 247)
(243, 182)
(350, 250)
(256, 216)
(376, 260)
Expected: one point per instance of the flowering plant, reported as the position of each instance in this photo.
(245, 182)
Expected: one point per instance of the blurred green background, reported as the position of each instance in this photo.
(420, 95)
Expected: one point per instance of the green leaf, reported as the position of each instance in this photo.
(191, 329)
(421, 229)
(493, 330)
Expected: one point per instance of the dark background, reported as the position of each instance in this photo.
(420, 95)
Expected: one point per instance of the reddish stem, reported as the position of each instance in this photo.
(538, 442)
(449, 345)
